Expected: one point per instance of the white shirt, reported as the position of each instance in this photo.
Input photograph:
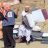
(24, 13)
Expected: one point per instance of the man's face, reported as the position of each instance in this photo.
(26, 9)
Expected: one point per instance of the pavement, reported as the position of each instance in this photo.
(35, 44)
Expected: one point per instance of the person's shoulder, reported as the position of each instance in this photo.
(11, 11)
(23, 11)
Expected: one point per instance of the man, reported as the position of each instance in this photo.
(24, 29)
(8, 25)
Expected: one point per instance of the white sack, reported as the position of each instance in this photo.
(36, 28)
(30, 20)
(45, 35)
(38, 15)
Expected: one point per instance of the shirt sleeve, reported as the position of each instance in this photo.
(23, 13)
(15, 15)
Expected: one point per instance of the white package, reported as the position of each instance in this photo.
(36, 28)
(45, 35)
(38, 15)
(15, 31)
(30, 20)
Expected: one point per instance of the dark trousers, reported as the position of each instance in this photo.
(8, 36)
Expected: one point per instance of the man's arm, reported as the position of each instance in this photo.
(2, 16)
(15, 15)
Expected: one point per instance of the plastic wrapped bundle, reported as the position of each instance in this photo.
(35, 17)
(36, 28)
(38, 16)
